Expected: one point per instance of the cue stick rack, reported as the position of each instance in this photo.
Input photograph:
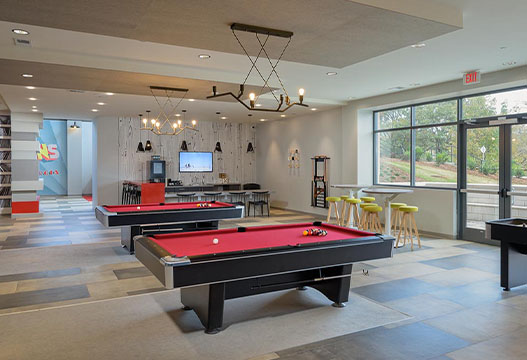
(320, 183)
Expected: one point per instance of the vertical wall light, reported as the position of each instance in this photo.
(140, 147)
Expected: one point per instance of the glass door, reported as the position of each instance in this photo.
(494, 179)
(518, 163)
(481, 179)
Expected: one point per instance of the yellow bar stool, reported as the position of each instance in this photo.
(367, 199)
(343, 209)
(362, 220)
(352, 208)
(407, 225)
(333, 203)
(373, 222)
(396, 216)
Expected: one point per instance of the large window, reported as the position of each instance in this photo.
(501, 103)
(417, 145)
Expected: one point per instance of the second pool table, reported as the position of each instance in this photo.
(255, 260)
(148, 219)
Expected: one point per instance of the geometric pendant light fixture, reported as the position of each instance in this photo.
(262, 38)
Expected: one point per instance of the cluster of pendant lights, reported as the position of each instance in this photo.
(184, 145)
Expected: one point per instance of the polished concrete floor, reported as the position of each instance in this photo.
(441, 301)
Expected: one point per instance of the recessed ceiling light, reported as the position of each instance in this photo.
(101, 103)
(258, 105)
(34, 110)
(418, 46)
(178, 115)
(263, 119)
(94, 110)
(34, 106)
(20, 31)
(249, 114)
(27, 75)
(190, 99)
(224, 117)
(283, 115)
(313, 109)
(30, 87)
(32, 99)
(204, 56)
(331, 73)
(109, 93)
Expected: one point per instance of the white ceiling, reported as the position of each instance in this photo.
(493, 34)
(65, 104)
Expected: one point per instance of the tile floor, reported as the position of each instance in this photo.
(449, 288)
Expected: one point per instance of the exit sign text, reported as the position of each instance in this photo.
(473, 77)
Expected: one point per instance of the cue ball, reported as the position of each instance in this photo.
(215, 241)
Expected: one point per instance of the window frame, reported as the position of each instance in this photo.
(413, 127)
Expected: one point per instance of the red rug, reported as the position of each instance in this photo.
(87, 197)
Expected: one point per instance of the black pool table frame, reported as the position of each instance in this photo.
(207, 281)
(164, 221)
(513, 257)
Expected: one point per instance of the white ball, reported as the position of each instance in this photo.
(215, 241)
(139, 207)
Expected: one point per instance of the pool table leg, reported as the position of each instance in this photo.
(207, 302)
(127, 235)
(337, 286)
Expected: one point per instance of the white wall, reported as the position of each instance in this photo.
(74, 148)
(87, 130)
(346, 135)
(105, 184)
(316, 134)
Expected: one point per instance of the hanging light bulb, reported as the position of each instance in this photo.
(179, 122)
(218, 147)
(252, 96)
(301, 94)
(194, 122)
(148, 146)
(184, 146)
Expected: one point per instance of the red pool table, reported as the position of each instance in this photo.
(148, 219)
(255, 260)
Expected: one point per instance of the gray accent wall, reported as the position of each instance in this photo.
(24, 169)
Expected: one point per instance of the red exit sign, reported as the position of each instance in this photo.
(473, 77)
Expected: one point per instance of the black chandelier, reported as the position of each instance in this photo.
(284, 96)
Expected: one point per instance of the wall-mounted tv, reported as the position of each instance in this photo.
(194, 161)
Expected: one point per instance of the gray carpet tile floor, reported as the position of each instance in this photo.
(448, 291)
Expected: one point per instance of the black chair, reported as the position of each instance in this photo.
(186, 197)
(259, 198)
(251, 186)
(124, 197)
(212, 195)
(238, 198)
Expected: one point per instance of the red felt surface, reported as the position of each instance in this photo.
(164, 207)
(258, 237)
